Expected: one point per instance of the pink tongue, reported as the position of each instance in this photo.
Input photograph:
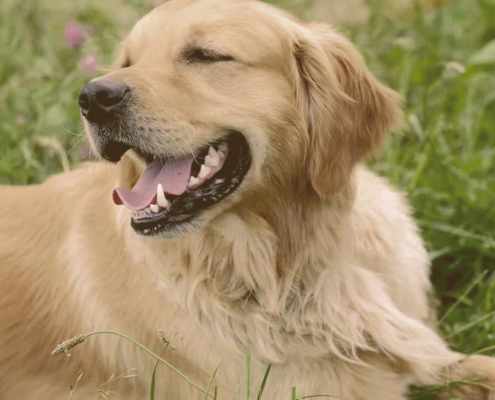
(173, 175)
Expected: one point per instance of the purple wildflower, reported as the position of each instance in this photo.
(74, 36)
(89, 64)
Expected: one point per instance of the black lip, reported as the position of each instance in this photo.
(111, 133)
(110, 149)
(186, 207)
(113, 151)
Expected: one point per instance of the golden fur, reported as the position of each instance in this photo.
(314, 263)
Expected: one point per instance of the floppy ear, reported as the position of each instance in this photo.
(348, 113)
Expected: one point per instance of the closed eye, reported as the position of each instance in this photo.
(197, 55)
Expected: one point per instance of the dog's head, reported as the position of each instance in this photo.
(215, 99)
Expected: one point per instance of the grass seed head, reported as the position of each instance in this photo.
(64, 347)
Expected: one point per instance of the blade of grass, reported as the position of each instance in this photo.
(470, 325)
(210, 382)
(153, 375)
(82, 338)
(464, 295)
(263, 382)
(488, 241)
(248, 366)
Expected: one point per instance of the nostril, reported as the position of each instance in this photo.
(110, 97)
(83, 101)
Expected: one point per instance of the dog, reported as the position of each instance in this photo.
(236, 214)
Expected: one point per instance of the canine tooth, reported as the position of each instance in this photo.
(192, 181)
(154, 208)
(212, 161)
(204, 171)
(160, 196)
(223, 147)
(213, 158)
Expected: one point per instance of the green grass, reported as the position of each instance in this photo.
(446, 162)
(441, 60)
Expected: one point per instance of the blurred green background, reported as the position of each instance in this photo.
(439, 54)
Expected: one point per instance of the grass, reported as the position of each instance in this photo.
(443, 63)
(441, 57)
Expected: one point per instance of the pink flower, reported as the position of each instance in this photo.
(21, 119)
(89, 64)
(74, 36)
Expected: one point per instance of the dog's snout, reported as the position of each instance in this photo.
(99, 99)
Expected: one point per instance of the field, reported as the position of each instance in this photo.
(440, 55)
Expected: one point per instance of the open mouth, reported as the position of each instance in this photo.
(173, 191)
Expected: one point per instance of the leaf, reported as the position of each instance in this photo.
(486, 55)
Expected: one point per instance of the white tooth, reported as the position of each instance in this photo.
(212, 159)
(204, 171)
(221, 154)
(192, 181)
(147, 210)
(223, 147)
(154, 208)
(160, 196)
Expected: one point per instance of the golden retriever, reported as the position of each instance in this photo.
(238, 217)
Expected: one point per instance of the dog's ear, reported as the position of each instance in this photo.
(347, 112)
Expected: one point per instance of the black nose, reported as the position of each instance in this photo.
(100, 99)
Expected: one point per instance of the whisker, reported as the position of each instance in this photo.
(75, 144)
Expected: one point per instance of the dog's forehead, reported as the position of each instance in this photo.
(228, 24)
